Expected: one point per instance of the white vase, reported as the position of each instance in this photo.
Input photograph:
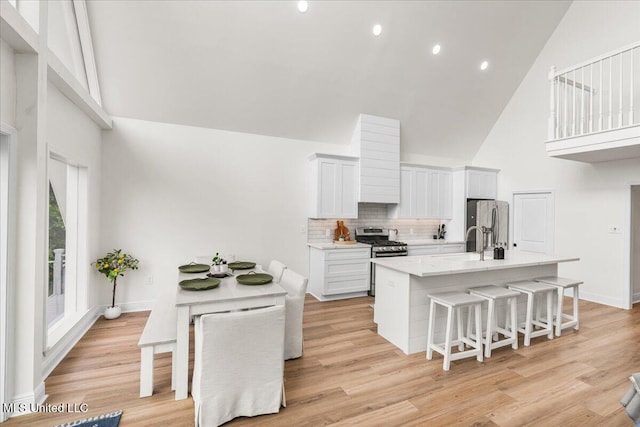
(224, 268)
(112, 312)
(216, 268)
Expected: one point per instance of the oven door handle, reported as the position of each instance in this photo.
(387, 255)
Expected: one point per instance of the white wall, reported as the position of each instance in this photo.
(589, 197)
(74, 136)
(173, 192)
(7, 85)
(635, 241)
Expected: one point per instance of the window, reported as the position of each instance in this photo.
(67, 258)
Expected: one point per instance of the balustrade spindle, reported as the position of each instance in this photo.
(591, 98)
(631, 117)
(600, 117)
(565, 119)
(581, 101)
(551, 129)
(610, 121)
(620, 96)
(574, 122)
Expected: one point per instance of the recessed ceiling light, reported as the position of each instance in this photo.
(377, 30)
(436, 49)
(303, 5)
(484, 65)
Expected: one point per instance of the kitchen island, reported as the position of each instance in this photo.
(402, 307)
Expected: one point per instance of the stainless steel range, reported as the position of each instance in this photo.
(381, 246)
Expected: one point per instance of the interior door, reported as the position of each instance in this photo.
(534, 222)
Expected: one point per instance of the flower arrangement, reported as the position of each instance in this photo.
(114, 264)
(217, 260)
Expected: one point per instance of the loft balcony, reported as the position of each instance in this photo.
(595, 108)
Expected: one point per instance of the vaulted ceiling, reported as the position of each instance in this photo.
(263, 67)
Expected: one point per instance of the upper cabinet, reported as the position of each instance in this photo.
(334, 186)
(425, 192)
(481, 183)
(377, 141)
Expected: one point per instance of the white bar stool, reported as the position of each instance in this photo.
(455, 301)
(510, 331)
(532, 289)
(562, 283)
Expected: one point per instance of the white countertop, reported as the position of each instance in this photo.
(326, 246)
(438, 265)
(413, 242)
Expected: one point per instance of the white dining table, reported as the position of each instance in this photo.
(229, 295)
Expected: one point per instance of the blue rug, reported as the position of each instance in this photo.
(106, 420)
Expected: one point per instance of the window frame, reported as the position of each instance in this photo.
(8, 164)
(77, 271)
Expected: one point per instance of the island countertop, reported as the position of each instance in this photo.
(443, 264)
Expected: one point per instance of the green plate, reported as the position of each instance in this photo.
(199, 284)
(254, 279)
(194, 268)
(241, 265)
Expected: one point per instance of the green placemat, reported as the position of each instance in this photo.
(194, 268)
(199, 284)
(241, 265)
(254, 279)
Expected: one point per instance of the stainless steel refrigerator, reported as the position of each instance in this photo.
(494, 216)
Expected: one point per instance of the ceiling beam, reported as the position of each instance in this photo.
(16, 31)
(66, 82)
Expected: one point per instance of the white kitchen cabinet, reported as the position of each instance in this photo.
(481, 183)
(435, 248)
(425, 192)
(377, 140)
(334, 186)
(339, 273)
(439, 194)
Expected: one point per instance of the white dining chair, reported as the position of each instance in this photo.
(276, 268)
(296, 287)
(238, 365)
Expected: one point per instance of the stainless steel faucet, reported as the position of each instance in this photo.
(482, 230)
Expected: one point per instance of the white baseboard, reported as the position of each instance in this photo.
(130, 307)
(339, 296)
(55, 354)
(28, 403)
(635, 298)
(602, 299)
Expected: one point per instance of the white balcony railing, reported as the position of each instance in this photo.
(602, 94)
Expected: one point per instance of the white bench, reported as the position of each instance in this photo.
(158, 336)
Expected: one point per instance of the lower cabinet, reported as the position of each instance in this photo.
(446, 248)
(339, 273)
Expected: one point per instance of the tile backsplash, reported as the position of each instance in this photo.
(373, 215)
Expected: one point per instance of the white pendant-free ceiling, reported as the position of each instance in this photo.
(263, 67)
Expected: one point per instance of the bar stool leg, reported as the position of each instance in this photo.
(432, 321)
(529, 318)
(550, 315)
(559, 311)
(447, 340)
(514, 322)
(478, 309)
(490, 326)
(459, 325)
(576, 297)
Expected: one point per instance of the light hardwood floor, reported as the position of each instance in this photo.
(351, 376)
